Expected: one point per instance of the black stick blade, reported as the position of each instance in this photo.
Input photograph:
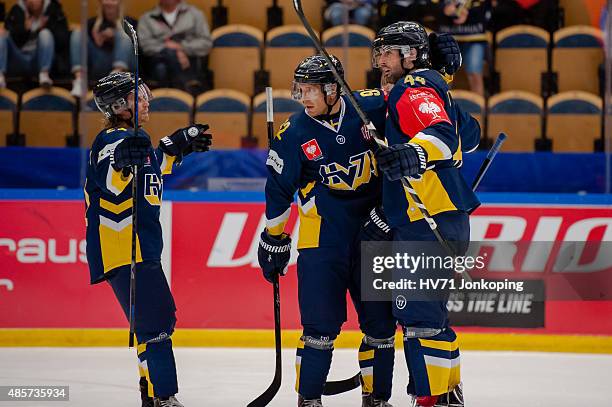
(342, 386)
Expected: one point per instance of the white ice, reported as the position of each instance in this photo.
(232, 377)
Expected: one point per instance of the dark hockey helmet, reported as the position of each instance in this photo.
(315, 70)
(110, 92)
(403, 36)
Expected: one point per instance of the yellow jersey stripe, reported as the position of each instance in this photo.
(116, 208)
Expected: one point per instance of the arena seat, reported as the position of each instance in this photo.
(8, 109)
(46, 117)
(313, 9)
(574, 121)
(91, 121)
(519, 115)
(286, 46)
(284, 106)
(226, 111)
(576, 12)
(359, 51)
(521, 58)
(471, 103)
(235, 57)
(170, 109)
(576, 56)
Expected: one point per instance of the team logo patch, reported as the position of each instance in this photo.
(193, 131)
(312, 150)
(429, 107)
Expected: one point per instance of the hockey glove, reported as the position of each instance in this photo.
(181, 141)
(445, 53)
(131, 151)
(402, 160)
(273, 254)
(376, 227)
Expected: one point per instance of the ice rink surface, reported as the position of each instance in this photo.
(232, 377)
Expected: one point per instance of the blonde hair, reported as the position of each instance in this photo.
(100, 17)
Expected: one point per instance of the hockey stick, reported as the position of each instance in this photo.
(267, 396)
(488, 160)
(129, 30)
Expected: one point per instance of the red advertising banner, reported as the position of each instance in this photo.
(44, 281)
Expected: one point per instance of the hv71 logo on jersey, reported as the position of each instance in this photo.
(312, 150)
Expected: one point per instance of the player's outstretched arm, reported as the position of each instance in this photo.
(182, 142)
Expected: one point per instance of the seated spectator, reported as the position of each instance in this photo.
(467, 22)
(359, 11)
(28, 42)
(108, 46)
(173, 35)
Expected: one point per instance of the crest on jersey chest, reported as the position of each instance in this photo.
(312, 150)
(348, 178)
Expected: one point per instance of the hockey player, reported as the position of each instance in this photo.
(427, 134)
(108, 196)
(321, 154)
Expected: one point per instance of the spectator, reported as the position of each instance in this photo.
(174, 35)
(359, 11)
(34, 31)
(108, 46)
(467, 21)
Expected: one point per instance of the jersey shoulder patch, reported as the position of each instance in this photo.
(419, 108)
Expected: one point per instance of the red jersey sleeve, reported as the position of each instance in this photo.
(419, 108)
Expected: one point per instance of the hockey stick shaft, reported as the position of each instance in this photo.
(267, 396)
(129, 29)
(488, 160)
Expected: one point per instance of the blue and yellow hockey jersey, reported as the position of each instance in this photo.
(108, 198)
(422, 111)
(331, 167)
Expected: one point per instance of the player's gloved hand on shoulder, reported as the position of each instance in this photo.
(131, 151)
(376, 227)
(186, 140)
(402, 160)
(273, 254)
(445, 53)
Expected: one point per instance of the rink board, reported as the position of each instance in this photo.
(210, 260)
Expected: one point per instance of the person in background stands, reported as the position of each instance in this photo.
(466, 20)
(35, 30)
(359, 11)
(173, 35)
(108, 46)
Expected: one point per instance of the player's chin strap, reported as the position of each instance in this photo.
(330, 107)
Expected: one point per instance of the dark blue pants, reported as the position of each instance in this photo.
(433, 362)
(154, 324)
(455, 228)
(325, 275)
